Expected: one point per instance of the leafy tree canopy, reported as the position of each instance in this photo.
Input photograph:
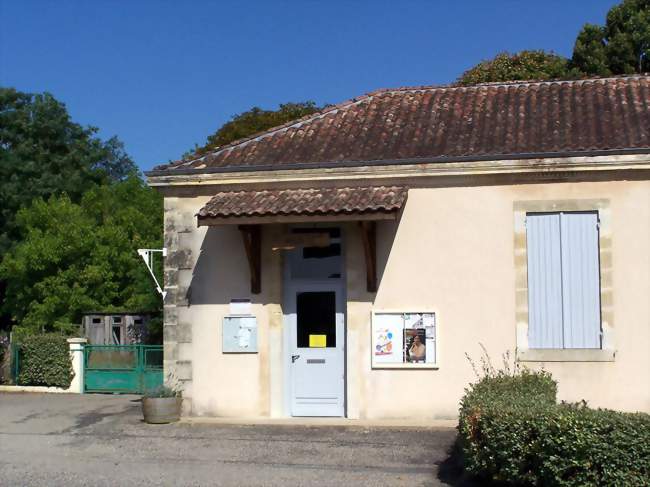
(256, 120)
(43, 153)
(78, 257)
(524, 65)
(621, 46)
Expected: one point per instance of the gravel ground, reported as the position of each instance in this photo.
(60, 439)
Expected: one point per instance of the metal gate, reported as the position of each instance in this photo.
(123, 368)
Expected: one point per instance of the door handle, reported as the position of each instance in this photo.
(294, 358)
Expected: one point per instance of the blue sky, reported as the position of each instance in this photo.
(163, 75)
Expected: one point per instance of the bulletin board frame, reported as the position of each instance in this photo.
(378, 320)
(231, 328)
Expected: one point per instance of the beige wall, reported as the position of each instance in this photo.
(451, 251)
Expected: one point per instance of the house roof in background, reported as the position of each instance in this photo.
(449, 123)
(313, 202)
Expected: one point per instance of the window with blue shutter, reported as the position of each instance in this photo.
(563, 280)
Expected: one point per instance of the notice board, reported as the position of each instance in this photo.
(239, 334)
(404, 339)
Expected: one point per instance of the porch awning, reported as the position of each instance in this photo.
(303, 205)
(251, 209)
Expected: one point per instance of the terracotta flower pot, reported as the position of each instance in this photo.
(161, 410)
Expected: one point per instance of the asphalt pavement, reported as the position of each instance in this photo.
(74, 440)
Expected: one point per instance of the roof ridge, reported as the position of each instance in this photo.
(387, 91)
(453, 86)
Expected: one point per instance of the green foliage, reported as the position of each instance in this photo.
(621, 46)
(45, 361)
(78, 257)
(511, 430)
(256, 120)
(43, 153)
(589, 52)
(524, 65)
(163, 391)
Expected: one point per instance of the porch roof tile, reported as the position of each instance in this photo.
(321, 201)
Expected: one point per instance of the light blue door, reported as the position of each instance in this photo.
(317, 345)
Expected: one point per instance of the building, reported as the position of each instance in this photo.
(344, 264)
(126, 328)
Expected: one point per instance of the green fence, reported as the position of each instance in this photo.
(14, 363)
(123, 368)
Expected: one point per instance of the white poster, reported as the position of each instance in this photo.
(429, 323)
(387, 338)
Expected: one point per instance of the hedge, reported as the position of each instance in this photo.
(45, 361)
(512, 430)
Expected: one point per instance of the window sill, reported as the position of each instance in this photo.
(565, 355)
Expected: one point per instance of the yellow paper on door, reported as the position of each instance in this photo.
(317, 341)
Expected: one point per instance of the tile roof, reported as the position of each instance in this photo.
(487, 121)
(331, 201)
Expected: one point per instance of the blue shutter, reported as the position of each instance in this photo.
(580, 280)
(544, 281)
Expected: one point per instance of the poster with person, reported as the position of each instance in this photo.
(414, 345)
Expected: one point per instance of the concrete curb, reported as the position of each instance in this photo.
(325, 422)
(56, 390)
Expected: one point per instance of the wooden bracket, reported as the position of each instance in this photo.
(369, 237)
(252, 236)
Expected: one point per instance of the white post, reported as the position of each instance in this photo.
(77, 356)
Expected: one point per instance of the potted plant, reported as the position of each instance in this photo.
(162, 405)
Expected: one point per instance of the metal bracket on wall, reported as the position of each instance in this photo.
(147, 256)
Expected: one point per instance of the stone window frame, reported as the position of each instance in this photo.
(524, 354)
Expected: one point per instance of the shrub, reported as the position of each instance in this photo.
(45, 361)
(162, 391)
(512, 430)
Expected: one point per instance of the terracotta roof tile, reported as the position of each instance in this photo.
(357, 200)
(483, 121)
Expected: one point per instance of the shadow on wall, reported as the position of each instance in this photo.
(221, 272)
(386, 234)
(355, 261)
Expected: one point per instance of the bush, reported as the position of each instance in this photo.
(162, 391)
(512, 430)
(45, 361)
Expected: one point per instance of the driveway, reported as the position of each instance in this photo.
(60, 439)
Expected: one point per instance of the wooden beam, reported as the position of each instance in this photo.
(252, 236)
(207, 221)
(290, 241)
(369, 238)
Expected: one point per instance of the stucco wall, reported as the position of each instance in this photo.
(452, 251)
(217, 271)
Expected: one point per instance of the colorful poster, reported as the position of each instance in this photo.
(384, 342)
(387, 338)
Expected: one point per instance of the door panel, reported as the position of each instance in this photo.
(316, 324)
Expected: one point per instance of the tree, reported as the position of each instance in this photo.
(621, 46)
(589, 53)
(256, 120)
(524, 65)
(43, 153)
(78, 257)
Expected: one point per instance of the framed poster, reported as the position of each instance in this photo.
(404, 340)
(239, 334)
